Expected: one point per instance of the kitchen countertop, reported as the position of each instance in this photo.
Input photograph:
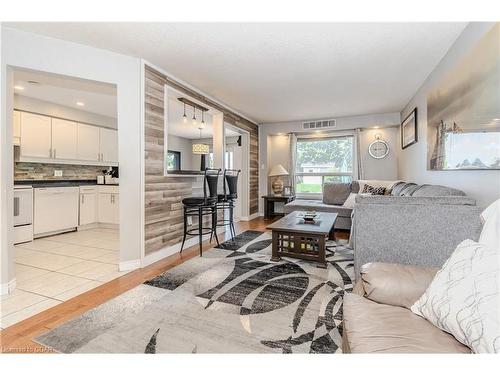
(58, 183)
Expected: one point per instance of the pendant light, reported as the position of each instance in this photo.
(194, 115)
(202, 125)
(184, 117)
(200, 148)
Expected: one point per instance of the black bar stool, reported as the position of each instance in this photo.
(203, 206)
(226, 201)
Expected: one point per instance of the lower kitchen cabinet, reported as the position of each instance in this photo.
(88, 205)
(108, 205)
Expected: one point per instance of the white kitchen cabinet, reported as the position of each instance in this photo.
(88, 205)
(108, 205)
(108, 141)
(64, 139)
(88, 143)
(17, 127)
(36, 136)
(55, 209)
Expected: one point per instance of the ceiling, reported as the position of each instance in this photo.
(97, 97)
(176, 125)
(275, 72)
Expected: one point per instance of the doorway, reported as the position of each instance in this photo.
(237, 156)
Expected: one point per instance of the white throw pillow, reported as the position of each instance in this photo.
(490, 235)
(350, 201)
(463, 298)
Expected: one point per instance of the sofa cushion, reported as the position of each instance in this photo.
(316, 205)
(436, 191)
(335, 193)
(396, 189)
(408, 189)
(371, 327)
(395, 284)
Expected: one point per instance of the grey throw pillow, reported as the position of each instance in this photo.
(335, 193)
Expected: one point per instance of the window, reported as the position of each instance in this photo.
(173, 160)
(322, 160)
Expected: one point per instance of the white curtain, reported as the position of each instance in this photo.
(359, 161)
(292, 144)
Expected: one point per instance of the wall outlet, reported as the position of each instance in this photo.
(190, 220)
(57, 173)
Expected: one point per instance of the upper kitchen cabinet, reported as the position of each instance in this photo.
(36, 136)
(88, 143)
(108, 140)
(17, 128)
(64, 139)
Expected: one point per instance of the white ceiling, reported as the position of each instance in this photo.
(98, 97)
(275, 72)
(176, 125)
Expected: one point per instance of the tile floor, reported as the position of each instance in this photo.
(54, 269)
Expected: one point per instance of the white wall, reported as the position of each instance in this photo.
(48, 108)
(31, 51)
(484, 185)
(185, 147)
(380, 169)
(273, 144)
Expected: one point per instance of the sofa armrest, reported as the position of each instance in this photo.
(420, 231)
(395, 284)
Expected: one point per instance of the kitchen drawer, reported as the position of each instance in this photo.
(109, 189)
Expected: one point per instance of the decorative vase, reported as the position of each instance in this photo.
(277, 186)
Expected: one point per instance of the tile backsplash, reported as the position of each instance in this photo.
(41, 171)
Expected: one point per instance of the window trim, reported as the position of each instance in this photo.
(178, 153)
(326, 174)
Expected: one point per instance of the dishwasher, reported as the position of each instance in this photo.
(55, 210)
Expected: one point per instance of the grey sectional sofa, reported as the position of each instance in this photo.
(414, 224)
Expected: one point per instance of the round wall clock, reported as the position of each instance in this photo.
(378, 149)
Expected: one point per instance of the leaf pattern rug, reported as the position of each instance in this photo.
(231, 300)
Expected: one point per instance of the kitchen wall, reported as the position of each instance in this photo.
(273, 145)
(185, 147)
(483, 185)
(42, 171)
(43, 107)
(31, 51)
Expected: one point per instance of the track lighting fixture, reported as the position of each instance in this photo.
(184, 117)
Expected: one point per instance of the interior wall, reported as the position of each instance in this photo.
(483, 185)
(32, 51)
(184, 146)
(273, 144)
(380, 169)
(163, 215)
(25, 103)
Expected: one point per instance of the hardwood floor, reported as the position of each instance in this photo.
(18, 338)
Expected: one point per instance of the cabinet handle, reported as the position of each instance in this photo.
(16, 206)
(54, 153)
(50, 153)
(83, 198)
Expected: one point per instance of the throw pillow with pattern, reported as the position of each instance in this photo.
(463, 299)
(374, 190)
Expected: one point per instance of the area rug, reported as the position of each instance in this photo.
(231, 300)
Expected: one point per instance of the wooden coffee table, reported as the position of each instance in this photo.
(292, 237)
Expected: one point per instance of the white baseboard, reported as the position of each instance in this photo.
(98, 225)
(252, 216)
(171, 250)
(129, 265)
(8, 288)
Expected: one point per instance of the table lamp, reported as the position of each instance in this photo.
(277, 185)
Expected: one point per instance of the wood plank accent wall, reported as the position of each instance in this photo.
(163, 195)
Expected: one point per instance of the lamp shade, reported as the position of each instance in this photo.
(200, 149)
(278, 170)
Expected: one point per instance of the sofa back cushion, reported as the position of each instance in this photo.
(436, 191)
(335, 193)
